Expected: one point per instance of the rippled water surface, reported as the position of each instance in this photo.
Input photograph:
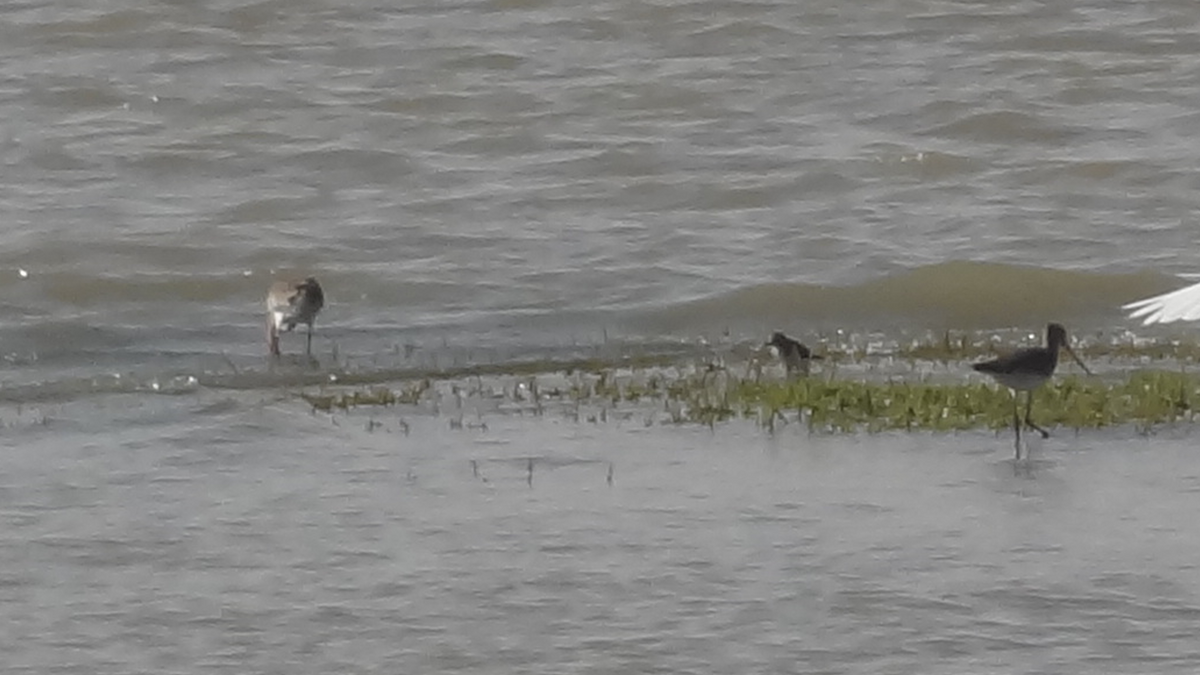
(546, 545)
(513, 181)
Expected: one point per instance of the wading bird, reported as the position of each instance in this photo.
(290, 303)
(795, 356)
(1026, 370)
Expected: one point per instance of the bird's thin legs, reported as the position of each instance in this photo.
(1017, 425)
(1029, 420)
(272, 338)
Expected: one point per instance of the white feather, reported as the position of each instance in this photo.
(1178, 305)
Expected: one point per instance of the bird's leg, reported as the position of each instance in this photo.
(308, 350)
(1017, 425)
(1028, 419)
(791, 364)
(272, 337)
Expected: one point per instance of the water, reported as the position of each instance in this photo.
(187, 548)
(512, 181)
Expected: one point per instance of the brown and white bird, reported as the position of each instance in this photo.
(290, 303)
(795, 356)
(1026, 370)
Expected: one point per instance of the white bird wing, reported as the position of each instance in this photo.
(1178, 305)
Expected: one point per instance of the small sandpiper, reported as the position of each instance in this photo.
(1026, 370)
(290, 303)
(796, 357)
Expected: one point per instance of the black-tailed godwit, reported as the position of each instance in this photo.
(1026, 370)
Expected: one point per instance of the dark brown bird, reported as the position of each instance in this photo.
(795, 356)
(290, 303)
(1026, 370)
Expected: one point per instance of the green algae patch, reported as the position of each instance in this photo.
(374, 396)
(711, 394)
(1145, 399)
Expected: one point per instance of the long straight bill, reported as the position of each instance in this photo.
(1077, 359)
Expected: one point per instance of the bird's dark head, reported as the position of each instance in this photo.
(1056, 335)
(312, 290)
(1056, 338)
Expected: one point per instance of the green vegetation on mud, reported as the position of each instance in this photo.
(850, 390)
(1144, 399)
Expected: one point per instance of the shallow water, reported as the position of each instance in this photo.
(509, 182)
(542, 544)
